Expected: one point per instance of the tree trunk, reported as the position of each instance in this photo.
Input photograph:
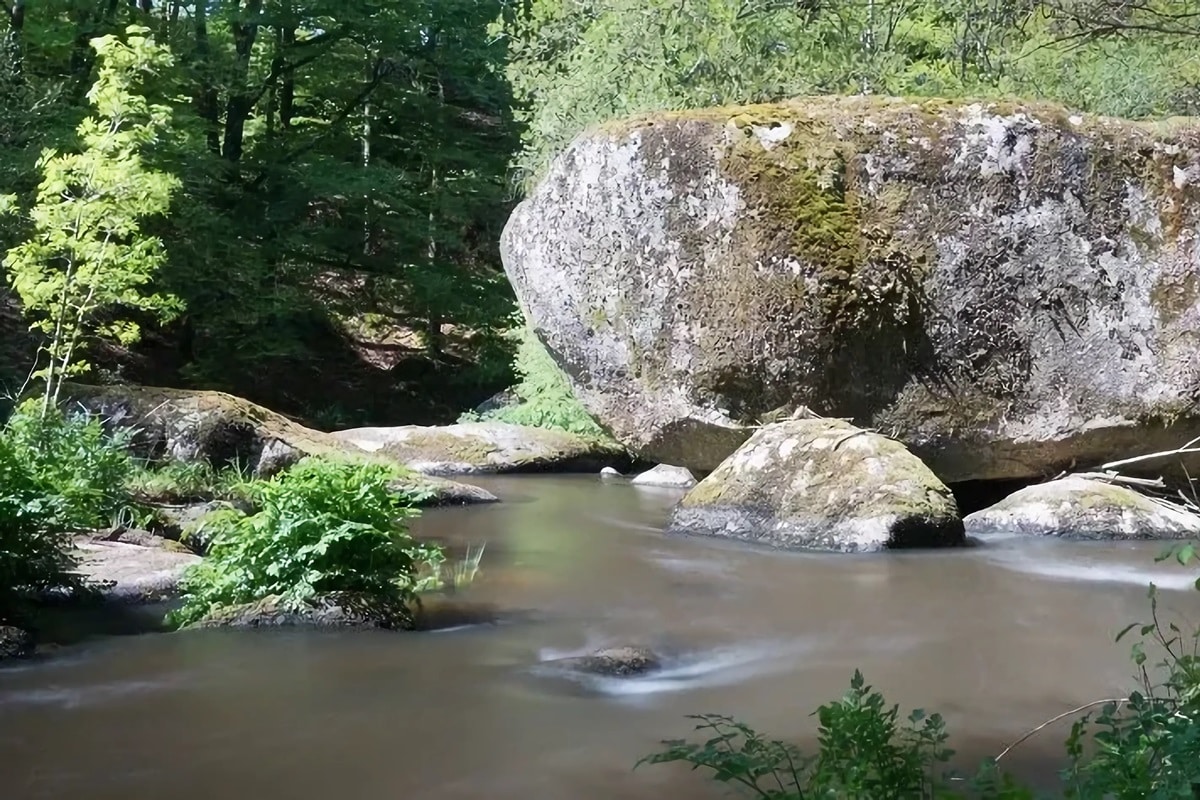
(241, 102)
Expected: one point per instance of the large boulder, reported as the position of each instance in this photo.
(485, 447)
(346, 610)
(1006, 288)
(186, 425)
(131, 573)
(822, 485)
(1082, 508)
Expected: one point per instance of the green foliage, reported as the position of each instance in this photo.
(322, 526)
(866, 751)
(187, 482)
(544, 397)
(1147, 745)
(87, 255)
(58, 474)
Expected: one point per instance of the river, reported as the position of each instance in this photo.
(997, 638)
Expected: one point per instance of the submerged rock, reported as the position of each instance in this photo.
(823, 485)
(1081, 508)
(334, 610)
(608, 473)
(1005, 288)
(131, 573)
(485, 447)
(613, 662)
(666, 476)
(15, 643)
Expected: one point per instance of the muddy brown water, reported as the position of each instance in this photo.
(997, 638)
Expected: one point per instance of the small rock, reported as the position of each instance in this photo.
(822, 484)
(609, 473)
(614, 662)
(130, 573)
(441, 492)
(15, 643)
(666, 476)
(1081, 508)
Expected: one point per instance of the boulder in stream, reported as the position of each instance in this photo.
(1083, 508)
(612, 662)
(485, 447)
(345, 610)
(1008, 288)
(666, 476)
(15, 643)
(822, 484)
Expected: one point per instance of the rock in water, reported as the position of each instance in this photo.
(483, 447)
(822, 485)
(613, 662)
(130, 573)
(1079, 508)
(666, 476)
(15, 643)
(1004, 288)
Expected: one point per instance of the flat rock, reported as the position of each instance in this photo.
(613, 662)
(221, 429)
(666, 476)
(132, 573)
(1007, 288)
(822, 485)
(484, 447)
(15, 643)
(1081, 508)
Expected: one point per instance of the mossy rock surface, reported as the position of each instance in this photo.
(822, 485)
(1007, 288)
(223, 430)
(335, 610)
(1082, 508)
(485, 447)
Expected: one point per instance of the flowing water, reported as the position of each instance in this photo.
(997, 638)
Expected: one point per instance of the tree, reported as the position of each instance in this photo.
(87, 261)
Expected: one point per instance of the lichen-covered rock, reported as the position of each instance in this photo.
(822, 485)
(221, 429)
(666, 476)
(612, 662)
(483, 447)
(15, 643)
(1006, 288)
(1080, 508)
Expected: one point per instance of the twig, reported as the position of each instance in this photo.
(1113, 477)
(1186, 449)
(1053, 720)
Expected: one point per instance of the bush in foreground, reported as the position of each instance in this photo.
(323, 526)
(1142, 747)
(59, 473)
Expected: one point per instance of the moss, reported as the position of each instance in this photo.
(435, 445)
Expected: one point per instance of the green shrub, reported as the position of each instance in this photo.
(187, 482)
(74, 461)
(866, 751)
(323, 526)
(545, 399)
(58, 474)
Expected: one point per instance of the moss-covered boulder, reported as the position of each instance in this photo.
(1006, 288)
(337, 610)
(816, 484)
(486, 447)
(1081, 508)
(222, 430)
(15, 643)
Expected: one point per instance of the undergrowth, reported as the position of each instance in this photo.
(322, 526)
(544, 396)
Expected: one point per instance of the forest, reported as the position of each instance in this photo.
(340, 172)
